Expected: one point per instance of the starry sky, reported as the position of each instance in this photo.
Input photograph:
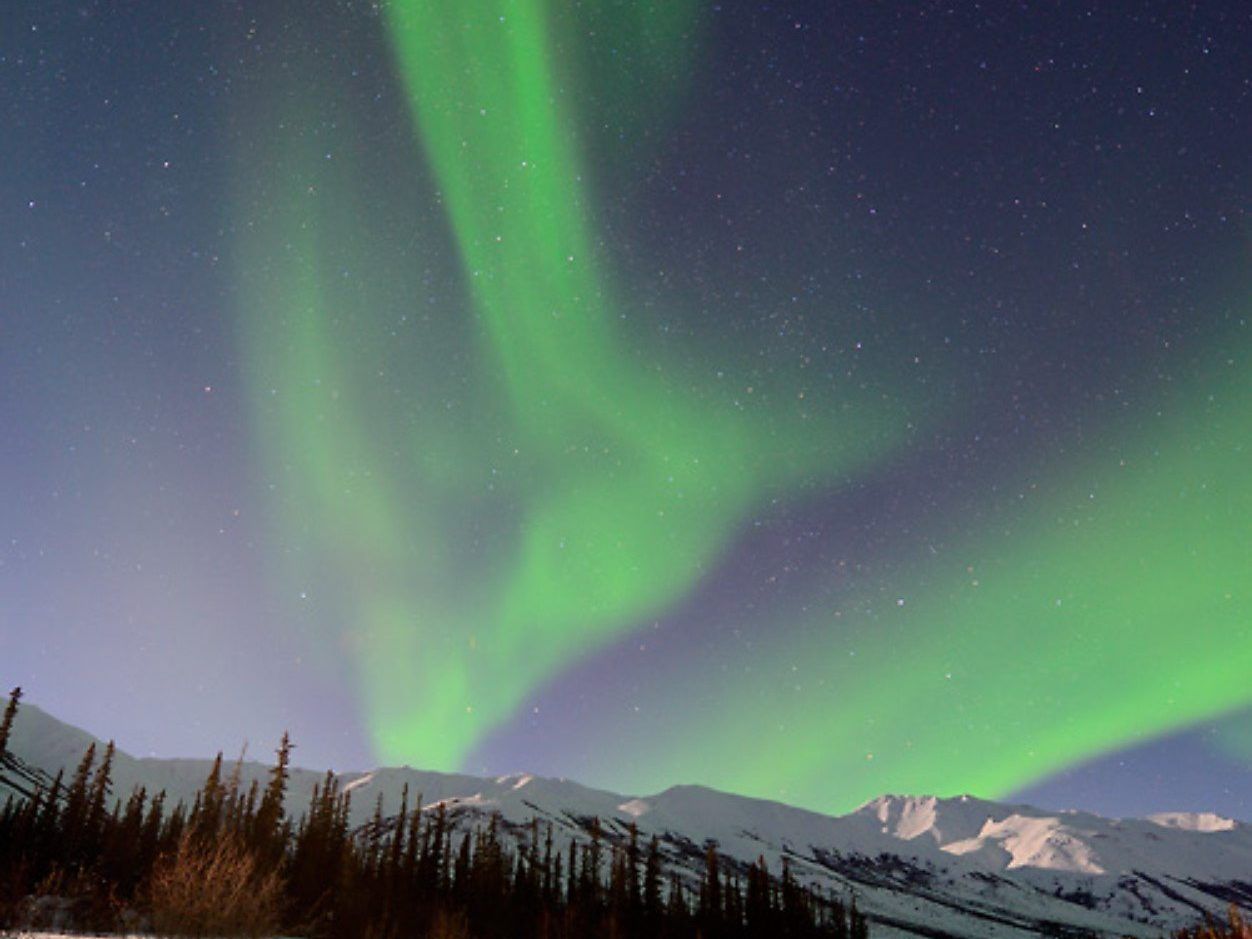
(810, 400)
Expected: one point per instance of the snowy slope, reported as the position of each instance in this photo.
(917, 865)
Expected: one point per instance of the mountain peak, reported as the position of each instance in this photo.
(1194, 821)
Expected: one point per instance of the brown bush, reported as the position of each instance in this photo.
(214, 888)
(1233, 928)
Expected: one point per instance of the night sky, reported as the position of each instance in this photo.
(810, 400)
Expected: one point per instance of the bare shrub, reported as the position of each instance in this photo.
(214, 888)
(1235, 927)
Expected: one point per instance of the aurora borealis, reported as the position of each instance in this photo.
(807, 401)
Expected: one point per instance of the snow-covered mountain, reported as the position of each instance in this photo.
(916, 865)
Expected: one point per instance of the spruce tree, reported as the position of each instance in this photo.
(398, 832)
(592, 877)
(632, 871)
(269, 816)
(375, 835)
(550, 879)
(414, 842)
(73, 822)
(101, 787)
(97, 809)
(711, 891)
(205, 823)
(652, 882)
(839, 918)
(48, 825)
(858, 925)
(6, 722)
(676, 908)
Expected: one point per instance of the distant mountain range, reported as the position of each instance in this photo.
(918, 866)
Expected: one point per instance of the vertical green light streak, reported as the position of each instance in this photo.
(617, 478)
(634, 486)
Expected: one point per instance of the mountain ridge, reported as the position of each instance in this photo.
(919, 865)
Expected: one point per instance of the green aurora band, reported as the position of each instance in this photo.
(1112, 603)
(544, 481)
(619, 477)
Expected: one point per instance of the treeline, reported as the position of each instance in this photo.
(233, 863)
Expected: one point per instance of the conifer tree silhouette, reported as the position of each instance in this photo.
(6, 722)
